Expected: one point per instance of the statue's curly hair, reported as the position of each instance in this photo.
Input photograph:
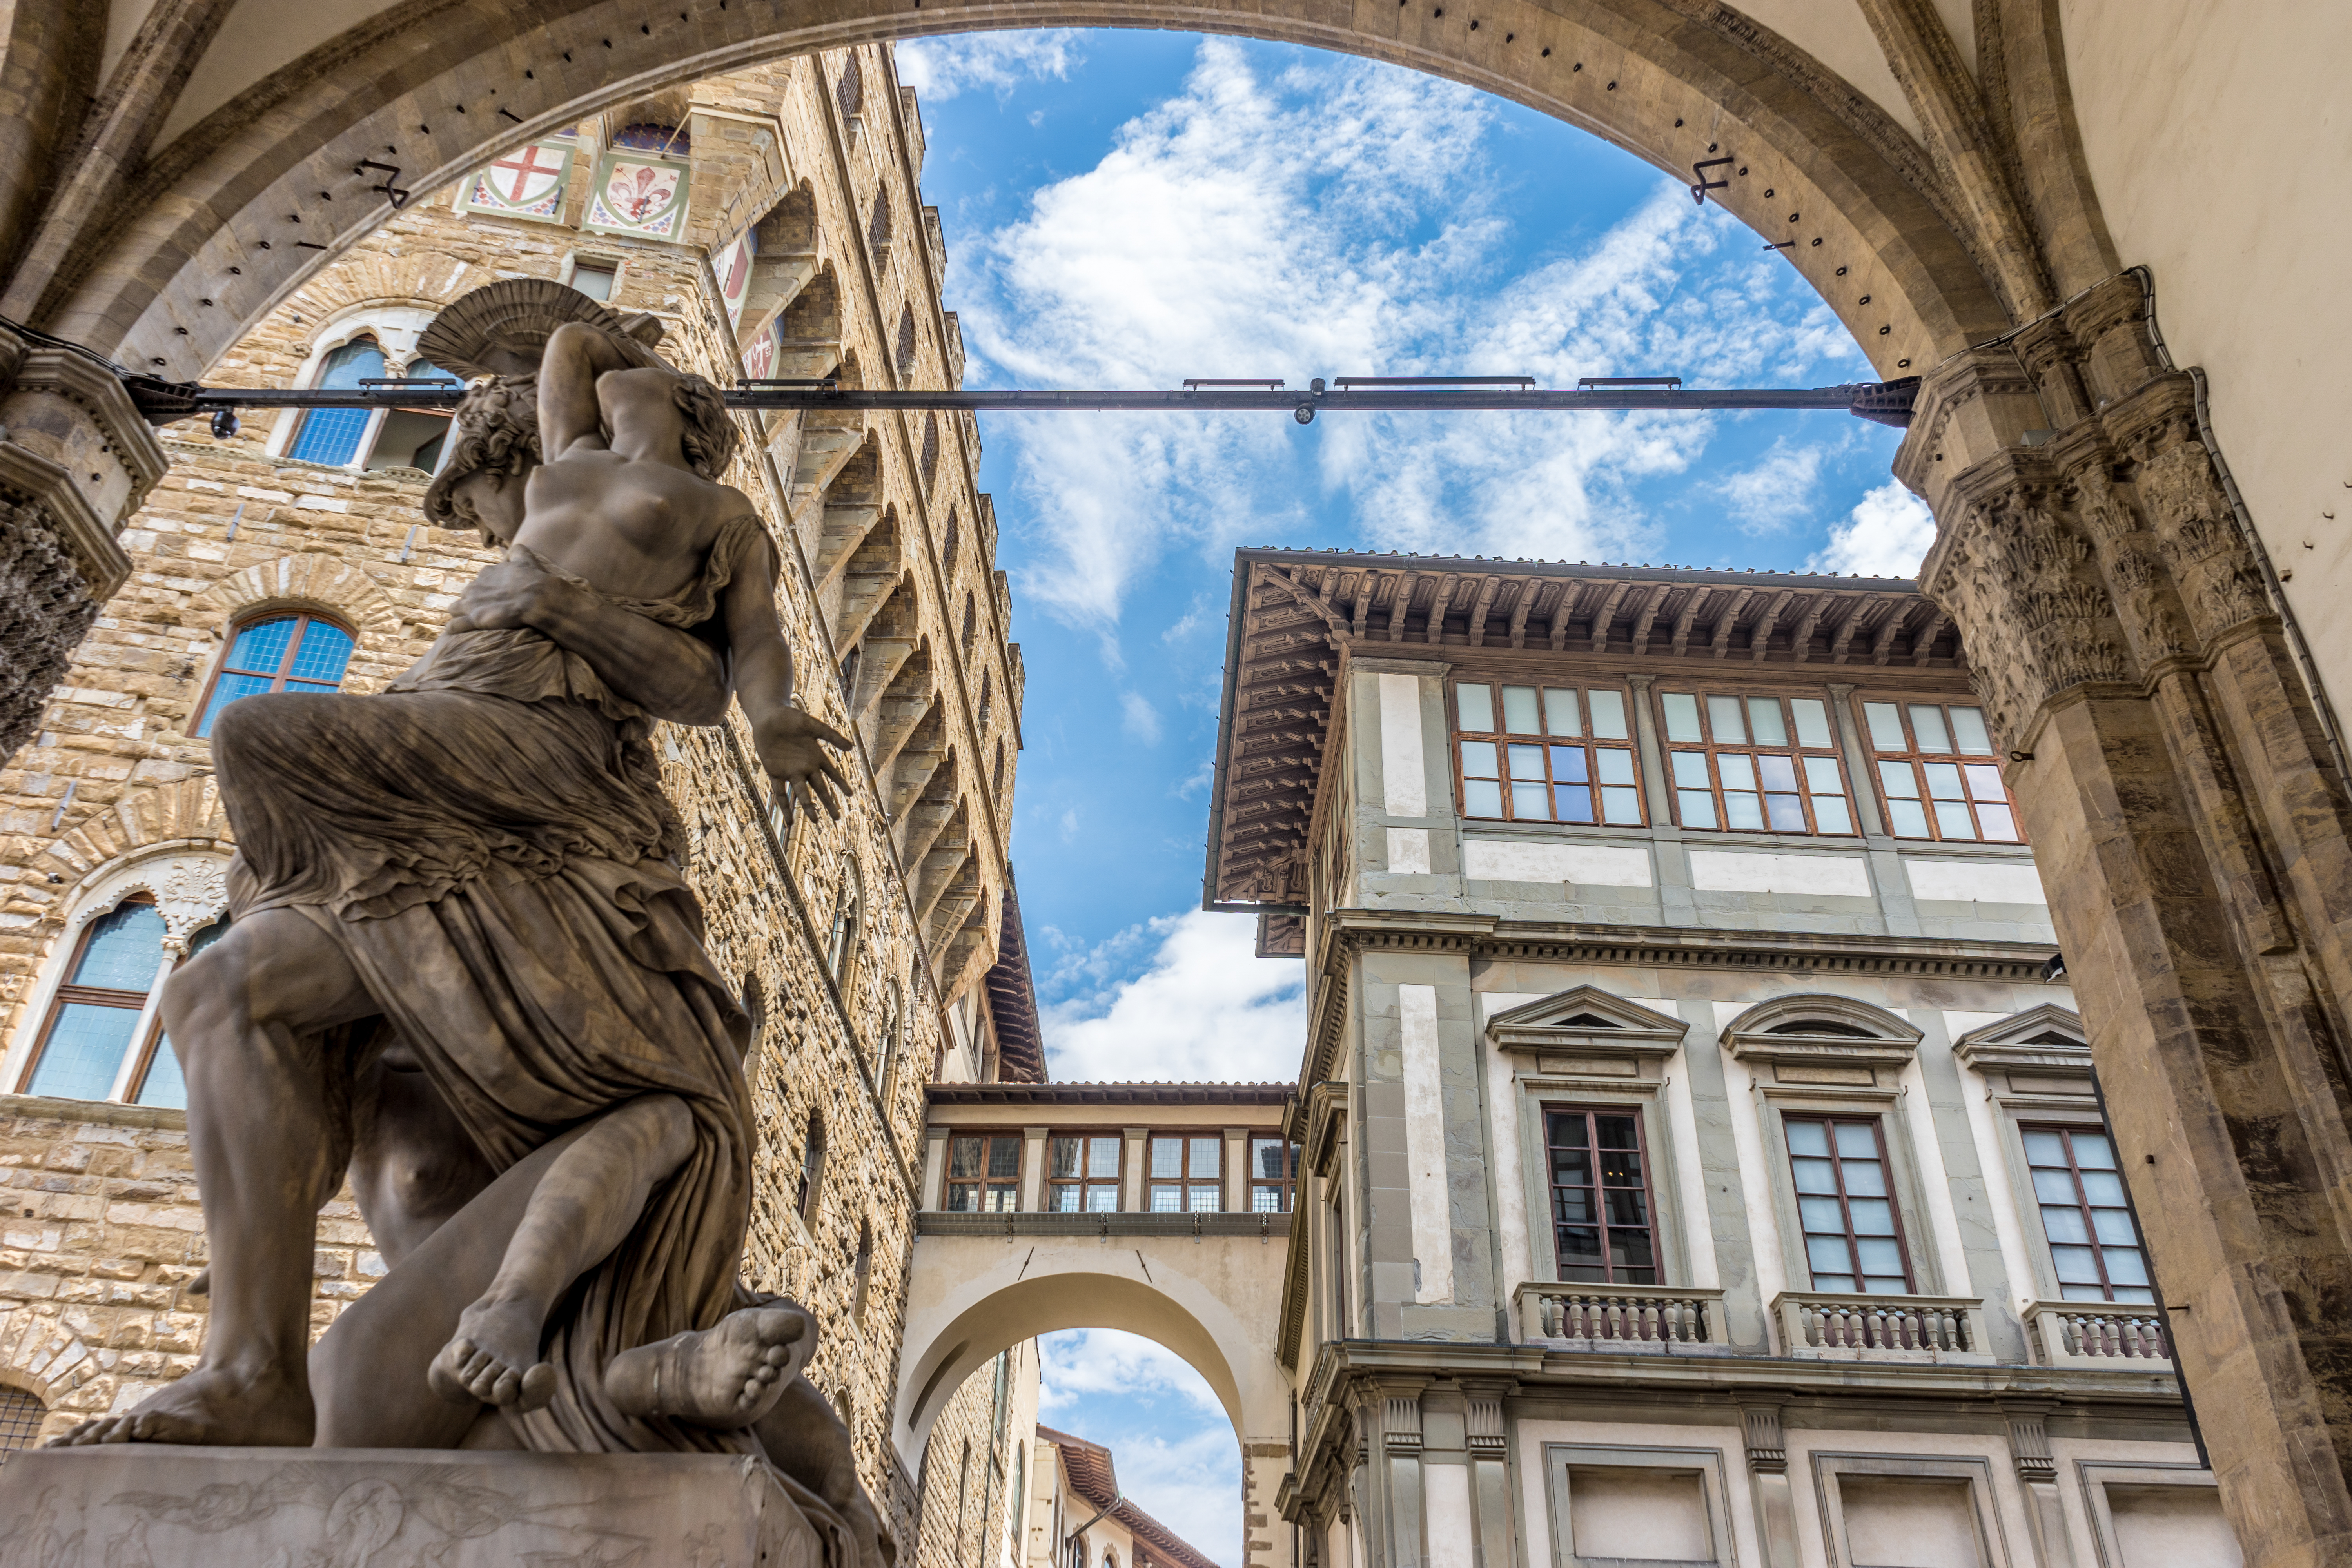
(710, 435)
(496, 432)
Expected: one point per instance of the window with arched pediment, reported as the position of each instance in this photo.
(21, 1414)
(97, 1032)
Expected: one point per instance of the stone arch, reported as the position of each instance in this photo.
(311, 579)
(1942, 264)
(970, 1300)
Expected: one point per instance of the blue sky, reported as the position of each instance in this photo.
(1125, 209)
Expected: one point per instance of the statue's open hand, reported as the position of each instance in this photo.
(792, 746)
(506, 594)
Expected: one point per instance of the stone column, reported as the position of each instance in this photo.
(76, 459)
(2194, 834)
(1768, 1482)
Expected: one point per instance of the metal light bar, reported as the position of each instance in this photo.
(1886, 403)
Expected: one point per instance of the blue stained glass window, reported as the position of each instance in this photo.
(123, 951)
(332, 435)
(99, 1010)
(288, 653)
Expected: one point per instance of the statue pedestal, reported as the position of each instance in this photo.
(151, 1506)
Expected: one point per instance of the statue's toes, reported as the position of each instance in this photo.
(537, 1388)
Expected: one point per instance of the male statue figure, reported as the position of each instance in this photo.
(481, 859)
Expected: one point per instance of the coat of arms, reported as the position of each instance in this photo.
(527, 182)
(639, 194)
(732, 268)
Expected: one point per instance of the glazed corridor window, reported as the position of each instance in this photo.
(1754, 765)
(1853, 1238)
(1600, 1198)
(283, 653)
(94, 1023)
(1933, 787)
(1273, 1174)
(1184, 1175)
(1084, 1172)
(983, 1173)
(1552, 758)
(2091, 1239)
(334, 434)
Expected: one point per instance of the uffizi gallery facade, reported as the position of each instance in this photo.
(1798, 1071)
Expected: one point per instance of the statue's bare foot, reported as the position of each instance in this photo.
(722, 1377)
(493, 1358)
(211, 1407)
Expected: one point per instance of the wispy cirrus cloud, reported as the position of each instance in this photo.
(1180, 998)
(944, 67)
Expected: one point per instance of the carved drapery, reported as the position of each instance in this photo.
(2194, 834)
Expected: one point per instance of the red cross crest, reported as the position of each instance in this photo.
(531, 179)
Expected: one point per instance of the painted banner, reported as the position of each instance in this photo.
(637, 194)
(760, 353)
(527, 182)
(732, 268)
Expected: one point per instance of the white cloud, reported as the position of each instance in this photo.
(1776, 490)
(1337, 218)
(1176, 1455)
(1888, 534)
(940, 68)
(1205, 1007)
(1139, 719)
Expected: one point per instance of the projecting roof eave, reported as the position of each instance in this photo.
(1271, 735)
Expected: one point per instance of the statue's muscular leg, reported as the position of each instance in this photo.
(584, 1208)
(243, 1016)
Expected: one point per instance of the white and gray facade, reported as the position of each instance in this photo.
(1701, 1160)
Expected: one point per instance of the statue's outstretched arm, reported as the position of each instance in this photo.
(791, 742)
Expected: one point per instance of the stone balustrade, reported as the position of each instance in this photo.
(1856, 1327)
(2108, 1335)
(1619, 1317)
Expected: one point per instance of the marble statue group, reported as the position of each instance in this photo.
(465, 972)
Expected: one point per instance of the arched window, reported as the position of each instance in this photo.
(877, 231)
(996, 774)
(848, 915)
(931, 432)
(811, 1170)
(282, 652)
(21, 1414)
(332, 435)
(755, 1003)
(104, 1009)
(948, 551)
(907, 367)
(851, 91)
(886, 1065)
(971, 622)
(862, 1268)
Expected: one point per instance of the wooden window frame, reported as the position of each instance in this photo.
(1083, 1182)
(2097, 1249)
(1657, 1266)
(1186, 1182)
(1800, 752)
(950, 1181)
(1286, 1187)
(69, 994)
(1917, 760)
(302, 620)
(1831, 1119)
(1546, 743)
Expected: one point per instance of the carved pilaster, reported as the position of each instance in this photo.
(2196, 841)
